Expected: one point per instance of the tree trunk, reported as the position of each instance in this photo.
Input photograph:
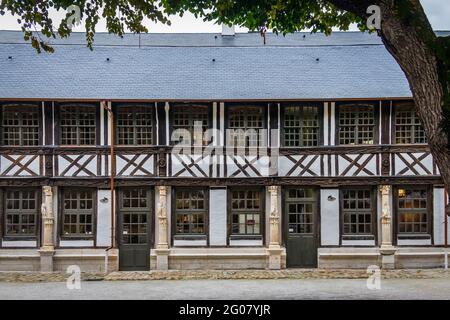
(413, 53)
(408, 41)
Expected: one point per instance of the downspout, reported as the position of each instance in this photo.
(112, 183)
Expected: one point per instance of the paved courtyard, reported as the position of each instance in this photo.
(232, 289)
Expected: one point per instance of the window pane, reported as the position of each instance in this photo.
(78, 125)
(78, 212)
(357, 212)
(412, 210)
(190, 211)
(21, 212)
(356, 124)
(20, 125)
(301, 126)
(134, 125)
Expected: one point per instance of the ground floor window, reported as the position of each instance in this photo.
(246, 212)
(21, 213)
(413, 211)
(78, 212)
(358, 212)
(191, 212)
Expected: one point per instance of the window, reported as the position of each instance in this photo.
(21, 212)
(20, 125)
(357, 211)
(134, 209)
(413, 213)
(134, 125)
(300, 205)
(408, 128)
(246, 212)
(301, 126)
(190, 212)
(78, 212)
(78, 125)
(189, 124)
(356, 124)
(245, 126)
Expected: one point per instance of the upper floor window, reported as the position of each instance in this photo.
(246, 212)
(357, 212)
(357, 124)
(135, 125)
(301, 126)
(408, 128)
(20, 125)
(21, 212)
(78, 207)
(190, 212)
(78, 125)
(245, 126)
(189, 124)
(413, 211)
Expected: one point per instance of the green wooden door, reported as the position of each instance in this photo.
(301, 216)
(135, 211)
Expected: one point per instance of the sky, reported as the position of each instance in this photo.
(438, 12)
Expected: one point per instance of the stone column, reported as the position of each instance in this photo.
(162, 248)
(274, 251)
(47, 249)
(386, 249)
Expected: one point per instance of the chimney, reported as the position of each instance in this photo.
(228, 30)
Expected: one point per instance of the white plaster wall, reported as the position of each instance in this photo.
(439, 216)
(189, 243)
(104, 219)
(76, 243)
(329, 217)
(19, 244)
(218, 217)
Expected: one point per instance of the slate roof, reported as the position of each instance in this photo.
(300, 66)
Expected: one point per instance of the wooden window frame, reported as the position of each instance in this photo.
(429, 213)
(58, 119)
(21, 105)
(62, 213)
(150, 215)
(133, 106)
(358, 104)
(262, 212)
(396, 107)
(190, 107)
(186, 236)
(373, 216)
(3, 216)
(235, 105)
(320, 111)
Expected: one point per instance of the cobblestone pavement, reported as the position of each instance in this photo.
(304, 289)
(222, 275)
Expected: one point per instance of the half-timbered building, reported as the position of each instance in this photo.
(210, 151)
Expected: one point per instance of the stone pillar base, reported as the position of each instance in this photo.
(274, 258)
(162, 259)
(46, 259)
(387, 257)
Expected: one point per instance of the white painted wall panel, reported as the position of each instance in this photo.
(19, 244)
(218, 217)
(329, 217)
(439, 216)
(104, 219)
(76, 243)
